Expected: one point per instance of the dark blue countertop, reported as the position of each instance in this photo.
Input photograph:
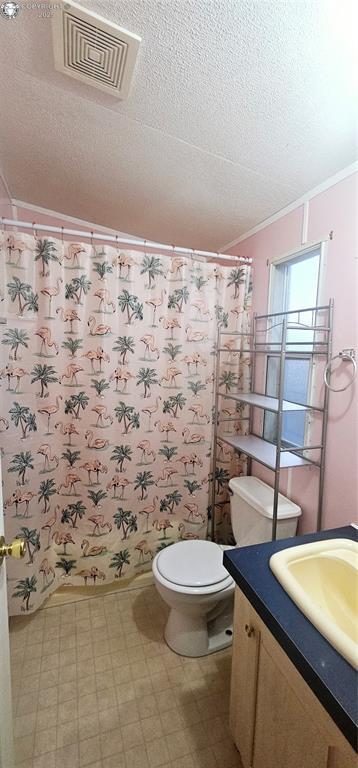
(330, 677)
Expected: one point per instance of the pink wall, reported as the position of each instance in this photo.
(335, 209)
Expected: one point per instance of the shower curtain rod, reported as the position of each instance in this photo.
(174, 249)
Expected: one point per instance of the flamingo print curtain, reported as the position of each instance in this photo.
(107, 393)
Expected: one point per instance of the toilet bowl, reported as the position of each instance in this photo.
(193, 582)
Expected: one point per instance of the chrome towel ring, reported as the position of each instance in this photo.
(348, 356)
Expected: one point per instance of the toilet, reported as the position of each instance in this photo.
(193, 582)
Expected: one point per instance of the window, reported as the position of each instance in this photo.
(294, 284)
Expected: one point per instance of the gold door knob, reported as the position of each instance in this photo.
(15, 549)
(249, 630)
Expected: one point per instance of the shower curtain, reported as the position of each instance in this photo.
(107, 361)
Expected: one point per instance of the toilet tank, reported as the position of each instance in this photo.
(251, 506)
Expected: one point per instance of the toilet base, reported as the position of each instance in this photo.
(195, 636)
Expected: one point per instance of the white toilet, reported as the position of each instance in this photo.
(193, 582)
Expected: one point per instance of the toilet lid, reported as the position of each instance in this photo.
(193, 564)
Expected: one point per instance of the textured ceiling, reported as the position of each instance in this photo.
(237, 108)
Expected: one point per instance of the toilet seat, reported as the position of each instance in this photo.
(193, 567)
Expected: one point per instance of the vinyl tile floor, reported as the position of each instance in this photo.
(94, 684)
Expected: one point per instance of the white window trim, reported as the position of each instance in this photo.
(288, 256)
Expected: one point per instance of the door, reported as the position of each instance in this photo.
(6, 733)
(285, 733)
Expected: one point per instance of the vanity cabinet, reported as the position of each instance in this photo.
(275, 719)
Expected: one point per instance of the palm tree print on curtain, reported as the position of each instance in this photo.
(107, 369)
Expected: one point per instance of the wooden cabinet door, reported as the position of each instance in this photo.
(285, 735)
(246, 644)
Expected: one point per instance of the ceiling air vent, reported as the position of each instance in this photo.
(94, 50)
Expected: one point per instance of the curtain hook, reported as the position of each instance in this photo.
(62, 234)
(3, 225)
(34, 229)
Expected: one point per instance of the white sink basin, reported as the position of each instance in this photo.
(322, 579)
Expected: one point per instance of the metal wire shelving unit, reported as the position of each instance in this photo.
(271, 336)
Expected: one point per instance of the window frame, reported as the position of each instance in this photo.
(291, 256)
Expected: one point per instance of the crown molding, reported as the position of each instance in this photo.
(5, 185)
(343, 174)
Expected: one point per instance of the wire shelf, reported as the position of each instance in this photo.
(276, 457)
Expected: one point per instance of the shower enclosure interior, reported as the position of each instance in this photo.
(108, 360)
